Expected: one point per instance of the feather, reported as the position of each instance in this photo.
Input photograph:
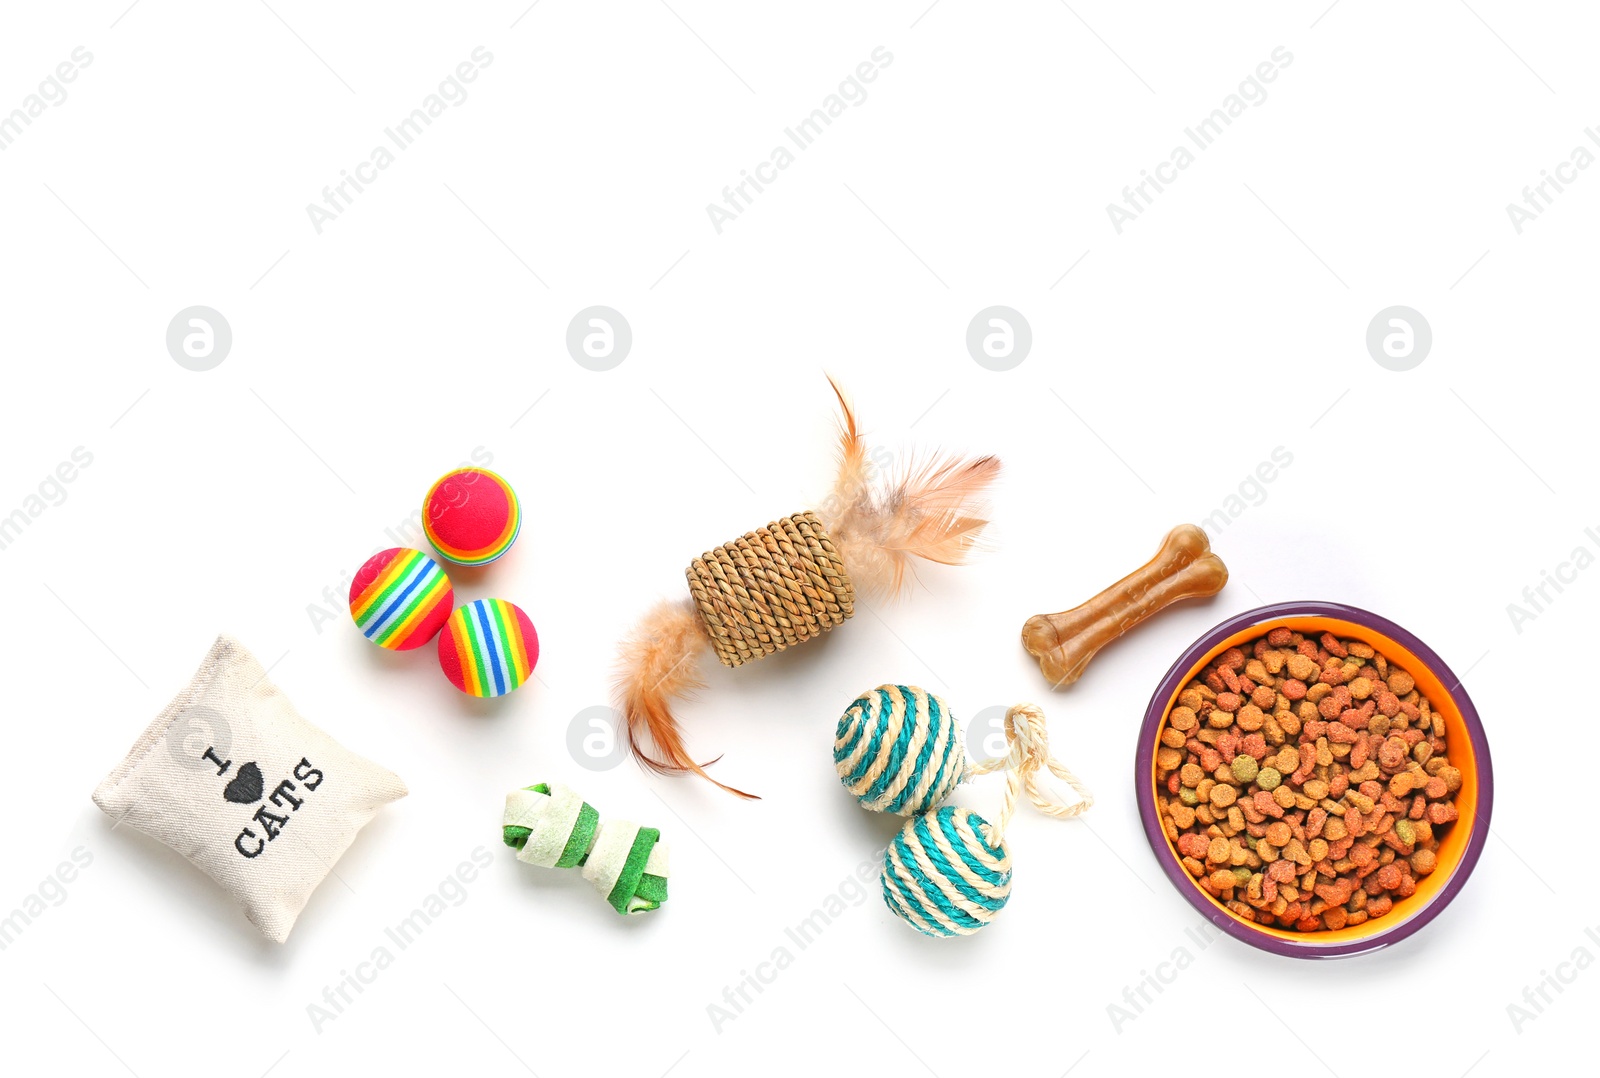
(657, 664)
(854, 478)
(931, 510)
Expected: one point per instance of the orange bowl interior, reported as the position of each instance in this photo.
(1460, 749)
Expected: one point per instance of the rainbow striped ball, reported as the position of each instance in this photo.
(943, 876)
(471, 516)
(400, 598)
(898, 749)
(488, 648)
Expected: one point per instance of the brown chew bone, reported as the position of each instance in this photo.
(1184, 568)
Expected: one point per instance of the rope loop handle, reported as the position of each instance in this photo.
(1027, 751)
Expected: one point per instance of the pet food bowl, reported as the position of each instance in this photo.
(1458, 851)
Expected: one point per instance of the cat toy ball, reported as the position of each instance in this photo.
(898, 750)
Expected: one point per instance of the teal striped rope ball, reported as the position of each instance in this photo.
(898, 749)
(943, 876)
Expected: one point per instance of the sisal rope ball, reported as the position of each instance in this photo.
(898, 749)
(948, 872)
(943, 874)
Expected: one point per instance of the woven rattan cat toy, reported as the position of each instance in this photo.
(795, 579)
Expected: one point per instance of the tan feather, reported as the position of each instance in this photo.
(854, 476)
(658, 664)
(932, 510)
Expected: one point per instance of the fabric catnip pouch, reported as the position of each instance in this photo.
(232, 777)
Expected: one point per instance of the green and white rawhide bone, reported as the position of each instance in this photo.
(554, 827)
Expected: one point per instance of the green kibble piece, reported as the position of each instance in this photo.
(1243, 875)
(1244, 768)
(1268, 778)
(1188, 796)
(1406, 831)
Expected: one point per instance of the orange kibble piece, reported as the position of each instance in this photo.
(1340, 734)
(1250, 718)
(1267, 803)
(1295, 851)
(1315, 821)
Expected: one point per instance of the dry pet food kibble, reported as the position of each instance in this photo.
(1305, 781)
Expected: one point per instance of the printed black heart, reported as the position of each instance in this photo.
(245, 787)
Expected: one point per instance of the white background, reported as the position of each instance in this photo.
(430, 317)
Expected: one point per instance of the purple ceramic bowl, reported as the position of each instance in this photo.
(1458, 850)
